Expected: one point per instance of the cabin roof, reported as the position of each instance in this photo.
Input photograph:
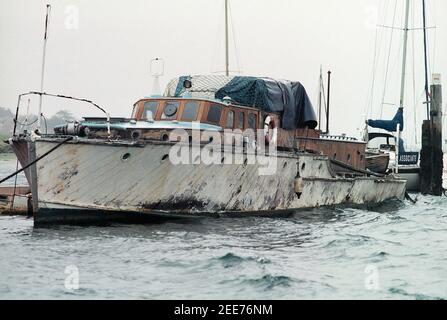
(218, 101)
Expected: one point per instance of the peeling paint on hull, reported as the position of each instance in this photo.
(93, 176)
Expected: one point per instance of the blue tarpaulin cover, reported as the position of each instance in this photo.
(281, 96)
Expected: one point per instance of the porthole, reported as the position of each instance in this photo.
(170, 110)
(135, 135)
(125, 157)
(165, 157)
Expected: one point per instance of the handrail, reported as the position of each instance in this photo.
(62, 97)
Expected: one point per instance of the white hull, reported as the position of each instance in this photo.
(412, 178)
(92, 175)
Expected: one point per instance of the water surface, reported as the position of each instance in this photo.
(397, 251)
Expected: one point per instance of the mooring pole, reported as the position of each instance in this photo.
(432, 166)
(436, 129)
(426, 154)
(328, 100)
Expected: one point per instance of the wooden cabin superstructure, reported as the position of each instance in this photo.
(149, 121)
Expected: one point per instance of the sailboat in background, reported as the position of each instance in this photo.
(386, 150)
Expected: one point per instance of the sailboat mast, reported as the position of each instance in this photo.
(427, 93)
(404, 60)
(227, 53)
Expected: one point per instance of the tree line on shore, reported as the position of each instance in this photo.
(7, 124)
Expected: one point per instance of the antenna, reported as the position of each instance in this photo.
(42, 78)
(157, 70)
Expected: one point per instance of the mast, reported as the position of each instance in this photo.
(328, 100)
(427, 93)
(404, 60)
(227, 53)
(320, 85)
(42, 78)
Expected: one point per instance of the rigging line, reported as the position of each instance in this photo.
(216, 62)
(370, 98)
(37, 160)
(235, 39)
(436, 33)
(431, 59)
(390, 27)
(369, 102)
(384, 10)
(403, 29)
(388, 61)
(26, 124)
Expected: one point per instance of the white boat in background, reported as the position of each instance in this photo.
(381, 158)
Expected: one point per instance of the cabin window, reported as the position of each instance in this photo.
(150, 110)
(241, 120)
(190, 112)
(230, 120)
(134, 112)
(214, 114)
(170, 110)
(252, 121)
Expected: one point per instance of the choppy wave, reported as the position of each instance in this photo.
(394, 251)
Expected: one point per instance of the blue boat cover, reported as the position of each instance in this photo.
(285, 97)
(389, 125)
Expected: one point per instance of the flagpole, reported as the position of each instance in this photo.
(42, 78)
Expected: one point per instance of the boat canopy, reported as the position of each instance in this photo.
(281, 96)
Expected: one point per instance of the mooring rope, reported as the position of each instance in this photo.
(37, 160)
(409, 198)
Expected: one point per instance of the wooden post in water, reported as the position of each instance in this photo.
(431, 154)
(33, 174)
(425, 170)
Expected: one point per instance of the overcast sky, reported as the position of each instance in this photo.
(101, 49)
